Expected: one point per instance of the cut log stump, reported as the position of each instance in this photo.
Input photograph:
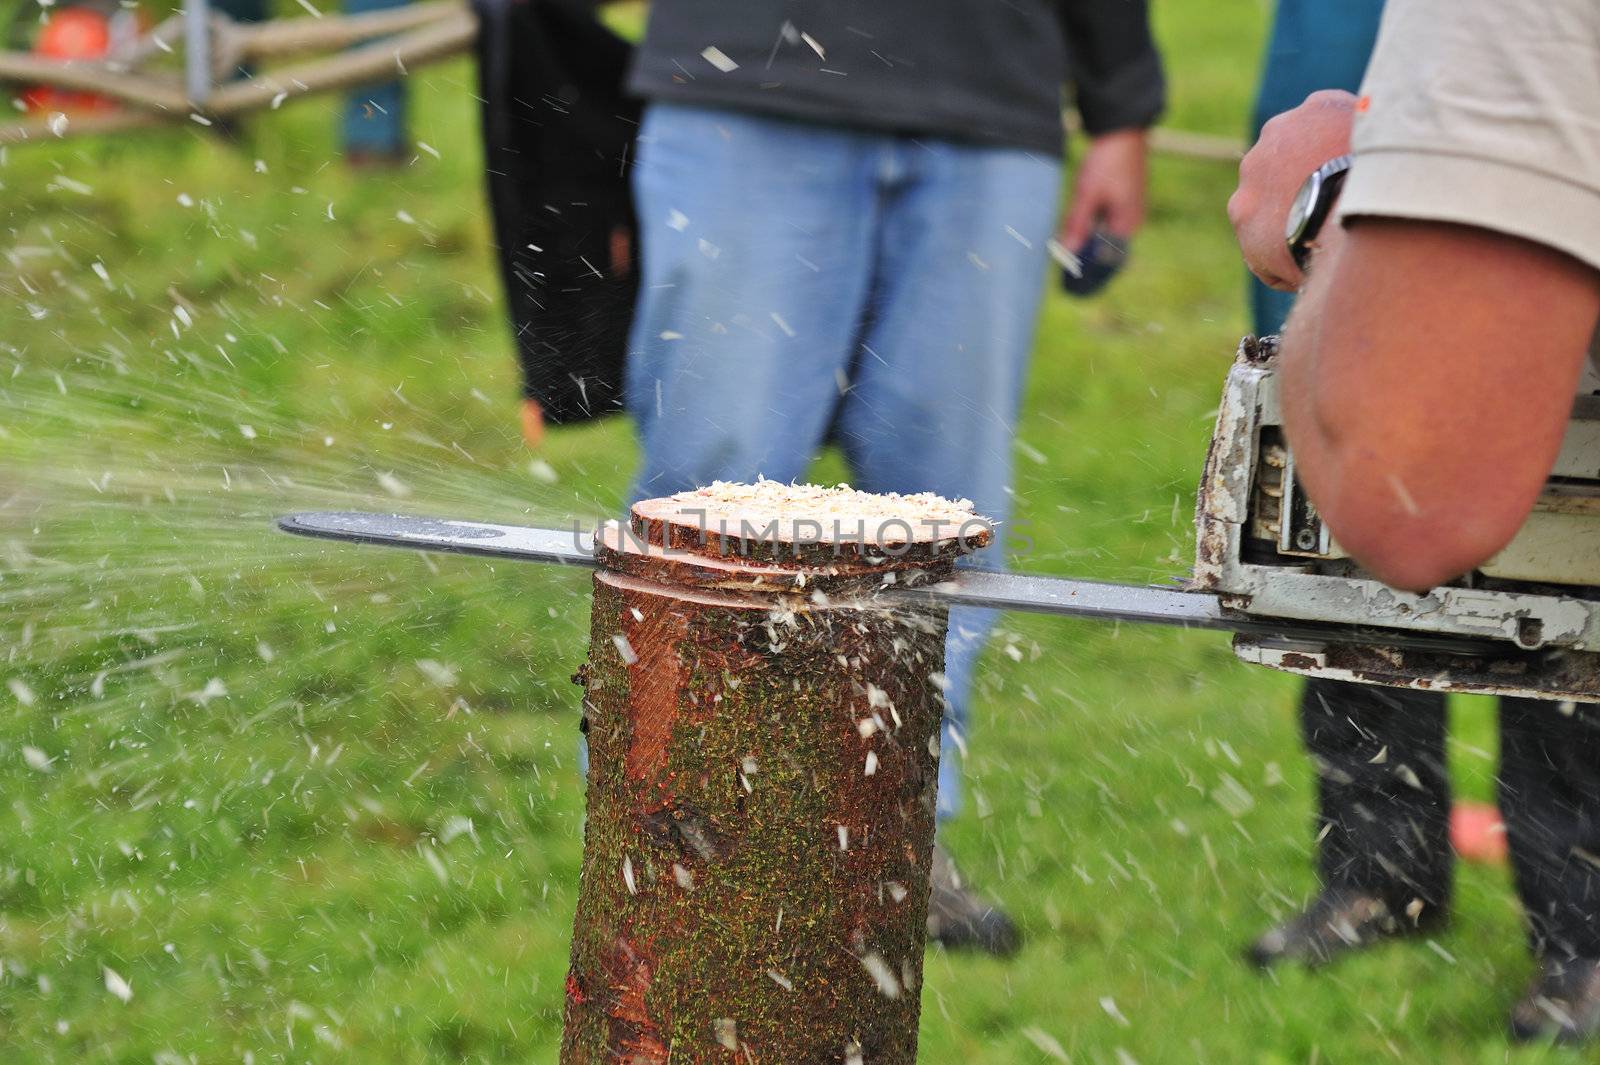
(763, 745)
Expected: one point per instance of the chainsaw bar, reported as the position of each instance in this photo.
(993, 589)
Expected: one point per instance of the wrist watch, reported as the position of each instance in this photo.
(1311, 207)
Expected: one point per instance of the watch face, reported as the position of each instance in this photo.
(1300, 209)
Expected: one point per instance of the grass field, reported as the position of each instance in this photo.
(267, 801)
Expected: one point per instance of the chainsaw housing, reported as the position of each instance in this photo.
(1262, 546)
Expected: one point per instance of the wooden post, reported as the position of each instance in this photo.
(763, 746)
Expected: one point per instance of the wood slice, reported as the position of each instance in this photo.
(807, 525)
(623, 550)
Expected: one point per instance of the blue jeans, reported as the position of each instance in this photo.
(1315, 44)
(803, 282)
(374, 117)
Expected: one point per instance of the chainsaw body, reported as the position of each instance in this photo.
(1262, 546)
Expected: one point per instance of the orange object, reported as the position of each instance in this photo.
(532, 423)
(1477, 833)
(71, 33)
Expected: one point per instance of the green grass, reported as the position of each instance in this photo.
(318, 804)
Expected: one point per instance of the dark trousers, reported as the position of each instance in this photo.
(1383, 795)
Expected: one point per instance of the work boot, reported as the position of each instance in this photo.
(1337, 921)
(960, 919)
(1562, 1003)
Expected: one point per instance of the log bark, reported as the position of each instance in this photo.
(763, 745)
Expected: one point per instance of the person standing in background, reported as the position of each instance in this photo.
(373, 119)
(843, 213)
(1383, 820)
(1383, 789)
(1456, 270)
(1314, 44)
(373, 123)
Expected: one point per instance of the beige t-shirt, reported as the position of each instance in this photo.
(1487, 113)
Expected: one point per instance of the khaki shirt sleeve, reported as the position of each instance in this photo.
(1486, 113)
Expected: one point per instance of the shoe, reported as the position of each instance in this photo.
(376, 158)
(1477, 833)
(961, 920)
(1562, 1003)
(1337, 921)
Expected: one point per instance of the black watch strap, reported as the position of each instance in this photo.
(1313, 207)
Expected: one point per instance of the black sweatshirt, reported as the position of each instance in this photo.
(987, 71)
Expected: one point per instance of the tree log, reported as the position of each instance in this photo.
(763, 746)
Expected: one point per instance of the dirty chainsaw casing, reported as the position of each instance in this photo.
(1262, 546)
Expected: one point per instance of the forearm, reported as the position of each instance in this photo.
(1359, 492)
(1424, 407)
(1310, 421)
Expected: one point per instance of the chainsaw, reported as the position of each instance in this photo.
(1267, 570)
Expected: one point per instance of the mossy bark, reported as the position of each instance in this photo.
(760, 825)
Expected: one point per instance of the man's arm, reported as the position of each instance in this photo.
(1119, 91)
(1429, 370)
(1428, 375)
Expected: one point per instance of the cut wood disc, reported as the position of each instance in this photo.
(622, 550)
(788, 525)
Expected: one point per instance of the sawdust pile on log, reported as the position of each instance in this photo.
(784, 517)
